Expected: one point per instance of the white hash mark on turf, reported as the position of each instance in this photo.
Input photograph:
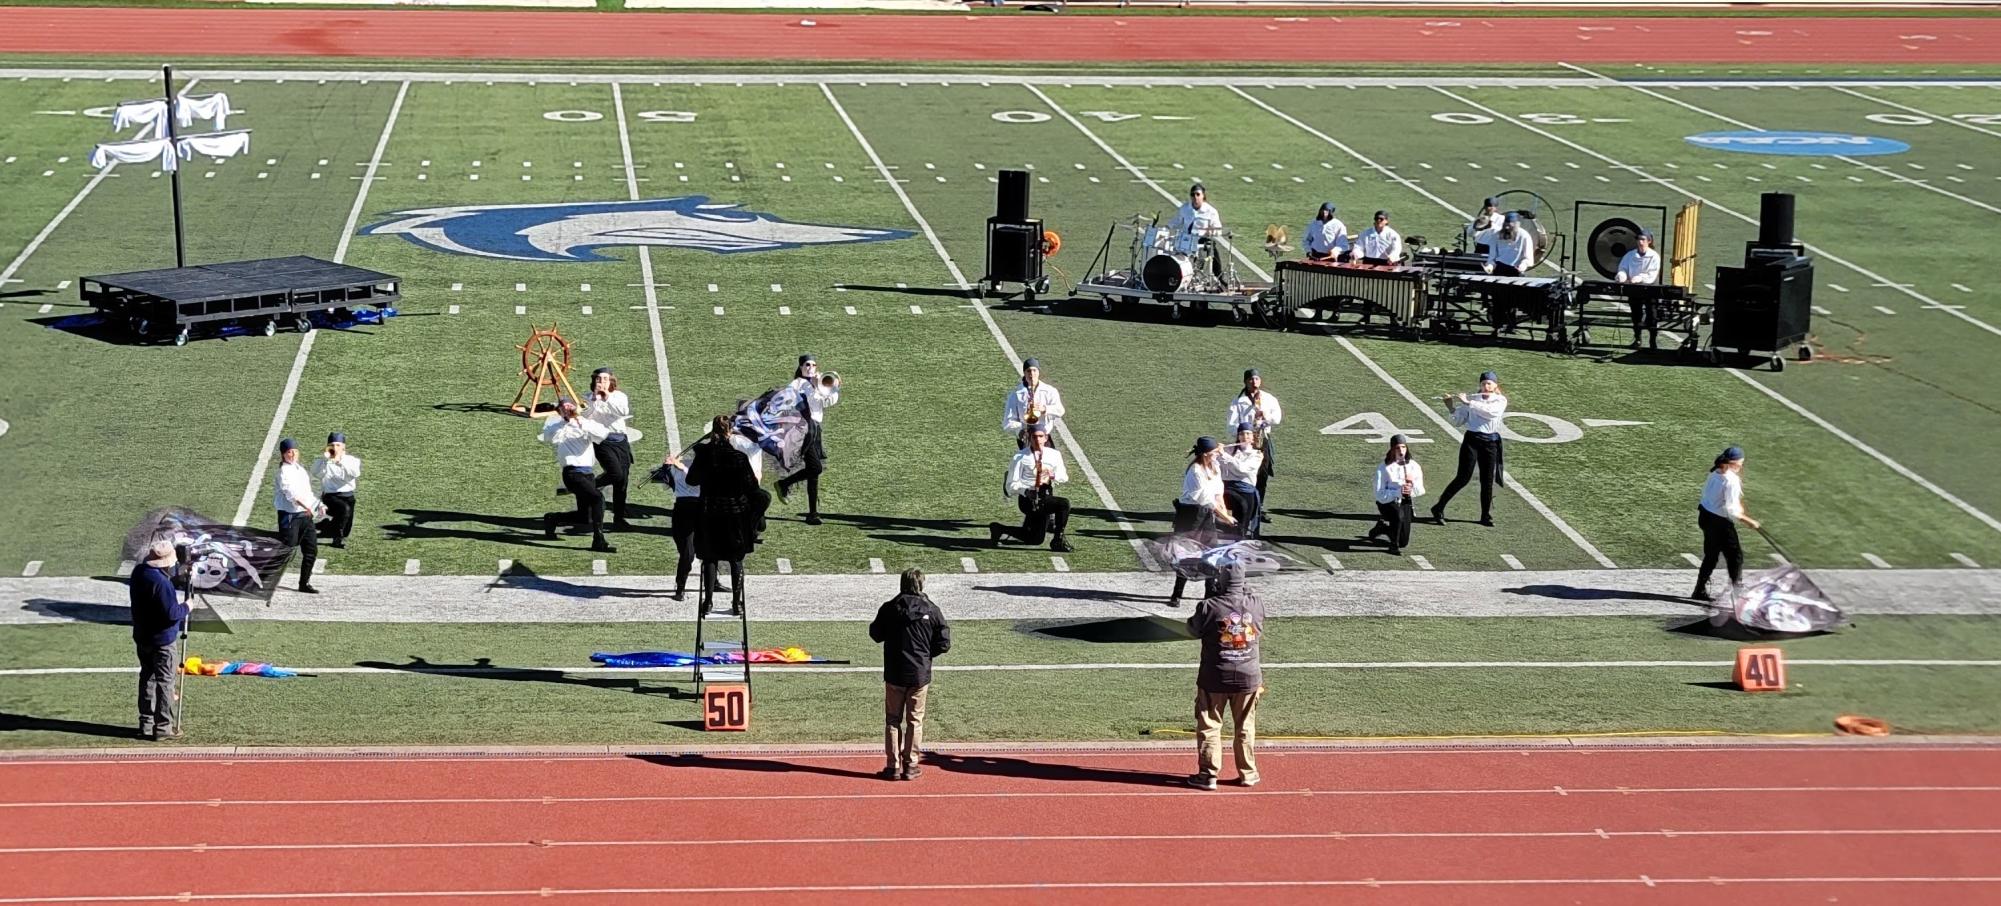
(875, 564)
(968, 565)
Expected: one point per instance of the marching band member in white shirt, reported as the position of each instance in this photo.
(1511, 249)
(1241, 463)
(1326, 236)
(1200, 508)
(1261, 409)
(1480, 416)
(1197, 223)
(338, 471)
(609, 408)
(1380, 244)
(1642, 264)
(687, 516)
(1722, 508)
(1032, 478)
(818, 393)
(575, 438)
(1031, 403)
(299, 509)
(1399, 482)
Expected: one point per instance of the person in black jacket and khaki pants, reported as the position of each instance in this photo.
(157, 615)
(912, 631)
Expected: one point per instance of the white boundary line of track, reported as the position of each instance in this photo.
(269, 446)
(1852, 441)
(646, 280)
(1367, 362)
(1063, 431)
(961, 78)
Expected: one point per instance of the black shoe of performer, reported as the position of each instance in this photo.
(784, 491)
(1487, 521)
(812, 518)
(1061, 545)
(307, 589)
(562, 490)
(1264, 516)
(1438, 515)
(603, 547)
(890, 773)
(1396, 551)
(622, 526)
(994, 532)
(549, 526)
(1702, 594)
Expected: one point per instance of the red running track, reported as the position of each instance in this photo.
(1188, 40)
(1872, 823)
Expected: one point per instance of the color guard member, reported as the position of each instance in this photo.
(687, 518)
(1031, 480)
(1722, 508)
(729, 519)
(1479, 415)
(1399, 482)
(574, 438)
(1031, 403)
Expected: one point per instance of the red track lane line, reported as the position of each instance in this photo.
(1219, 813)
(105, 875)
(432, 34)
(731, 774)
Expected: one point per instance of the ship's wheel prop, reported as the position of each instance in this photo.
(545, 363)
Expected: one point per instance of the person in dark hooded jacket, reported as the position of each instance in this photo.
(1229, 624)
(912, 631)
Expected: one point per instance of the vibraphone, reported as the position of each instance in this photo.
(1648, 308)
(1324, 290)
(1505, 304)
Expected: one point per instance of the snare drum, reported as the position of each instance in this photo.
(1168, 273)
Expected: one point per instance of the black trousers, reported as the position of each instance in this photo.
(1393, 521)
(1200, 522)
(340, 515)
(1719, 539)
(298, 531)
(590, 502)
(687, 518)
(1484, 452)
(1266, 469)
(1646, 316)
(615, 461)
(1042, 514)
(1244, 501)
(159, 704)
(814, 453)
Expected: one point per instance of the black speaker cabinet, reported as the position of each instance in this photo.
(1014, 251)
(1765, 306)
(1011, 199)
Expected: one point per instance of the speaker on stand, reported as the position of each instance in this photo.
(1014, 240)
(1766, 306)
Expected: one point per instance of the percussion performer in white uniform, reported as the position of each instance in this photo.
(1261, 409)
(1480, 416)
(1511, 249)
(1642, 264)
(1326, 236)
(1031, 403)
(1197, 223)
(1380, 244)
(1031, 480)
(1489, 217)
(1399, 482)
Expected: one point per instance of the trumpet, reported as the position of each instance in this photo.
(829, 378)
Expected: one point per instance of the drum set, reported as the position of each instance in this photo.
(1187, 269)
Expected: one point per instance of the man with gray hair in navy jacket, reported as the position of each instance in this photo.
(157, 618)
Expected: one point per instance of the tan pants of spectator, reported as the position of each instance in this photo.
(1243, 708)
(903, 724)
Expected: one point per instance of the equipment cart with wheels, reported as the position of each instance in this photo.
(177, 303)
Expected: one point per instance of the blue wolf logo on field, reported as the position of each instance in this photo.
(574, 231)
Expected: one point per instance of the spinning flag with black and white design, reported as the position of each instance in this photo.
(1777, 600)
(216, 558)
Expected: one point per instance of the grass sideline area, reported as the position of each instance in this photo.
(535, 702)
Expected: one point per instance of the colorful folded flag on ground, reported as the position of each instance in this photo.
(685, 659)
(195, 666)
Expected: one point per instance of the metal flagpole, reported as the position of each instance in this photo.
(180, 238)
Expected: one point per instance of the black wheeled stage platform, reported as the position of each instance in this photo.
(260, 296)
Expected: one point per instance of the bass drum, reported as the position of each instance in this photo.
(1167, 273)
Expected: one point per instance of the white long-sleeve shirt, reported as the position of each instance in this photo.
(1014, 416)
(1480, 413)
(1325, 238)
(573, 441)
(337, 476)
(1191, 222)
(752, 452)
(1241, 411)
(612, 412)
(1517, 251)
(1021, 472)
(1640, 268)
(679, 476)
(818, 396)
(1241, 465)
(1386, 244)
(1201, 487)
(1390, 478)
(1723, 494)
(293, 491)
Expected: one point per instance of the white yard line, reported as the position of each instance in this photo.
(1880, 171)
(1063, 431)
(1515, 485)
(646, 279)
(1872, 452)
(270, 444)
(1909, 109)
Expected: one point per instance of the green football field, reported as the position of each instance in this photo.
(1881, 447)
(1876, 454)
